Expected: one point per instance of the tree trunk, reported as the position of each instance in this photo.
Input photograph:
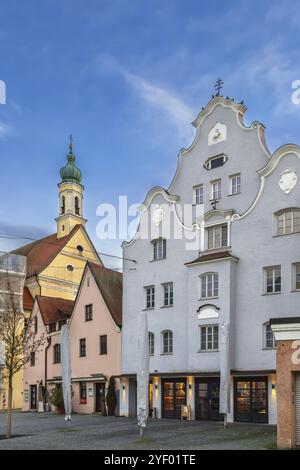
(9, 408)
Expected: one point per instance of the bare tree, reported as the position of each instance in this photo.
(19, 343)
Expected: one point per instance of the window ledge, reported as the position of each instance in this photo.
(166, 354)
(167, 306)
(269, 349)
(208, 298)
(146, 309)
(235, 194)
(158, 259)
(271, 293)
(208, 351)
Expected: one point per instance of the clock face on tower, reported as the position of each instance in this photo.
(217, 134)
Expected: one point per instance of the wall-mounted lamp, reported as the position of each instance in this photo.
(156, 387)
(273, 386)
(124, 388)
(190, 386)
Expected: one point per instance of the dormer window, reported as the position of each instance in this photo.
(215, 162)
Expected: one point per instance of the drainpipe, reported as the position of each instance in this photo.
(46, 372)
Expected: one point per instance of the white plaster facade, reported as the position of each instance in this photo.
(252, 245)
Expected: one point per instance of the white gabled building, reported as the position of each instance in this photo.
(243, 269)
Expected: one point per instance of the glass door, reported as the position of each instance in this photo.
(173, 396)
(207, 399)
(251, 400)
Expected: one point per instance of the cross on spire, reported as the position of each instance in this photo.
(71, 142)
(218, 86)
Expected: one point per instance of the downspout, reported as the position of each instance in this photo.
(46, 372)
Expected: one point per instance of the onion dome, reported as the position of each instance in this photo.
(70, 172)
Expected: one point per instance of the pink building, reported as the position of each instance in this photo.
(48, 315)
(95, 320)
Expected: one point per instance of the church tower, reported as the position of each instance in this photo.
(70, 196)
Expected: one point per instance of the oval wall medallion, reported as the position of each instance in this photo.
(288, 180)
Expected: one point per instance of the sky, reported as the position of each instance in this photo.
(126, 78)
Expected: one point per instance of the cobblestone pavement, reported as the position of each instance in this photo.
(49, 431)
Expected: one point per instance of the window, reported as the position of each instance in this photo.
(61, 323)
(82, 393)
(269, 338)
(199, 194)
(159, 249)
(63, 205)
(103, 344)
(77, 211)
(168, 294)
(215, 162)
(209, 338)
(273, 279)
(82, 347)
(217, 236)
(35, 325)
(296, 276)
(56, 354)
(32, 359)
(52, 327)
(288, 221)
(209, 285)
(167, 342)
(235, 184)
(150, 297)
(216, 191)
(80, 249)
(89, 312)
(151, 344)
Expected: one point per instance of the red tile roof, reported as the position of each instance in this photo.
(27, 299)
(212, 256)
(109, 283)
(54, 309)
(42, 252)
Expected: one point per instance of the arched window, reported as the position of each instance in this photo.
(288, 221)
(77, 211)
(167, 342)
(151, 344)
(56, 354)
(209, 285)
(63, 205)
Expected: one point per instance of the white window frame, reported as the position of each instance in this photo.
(214, 228)
(295, 274)
(207, 164)
(170, 342)
(216, 194)
(209, 279)
(151, 339)
(210, 331)
(150, 297)
(273, 276)
(265, 339)
(168, 294)
(199, 194)
(283, 214)
(235, 184)
(159, 249)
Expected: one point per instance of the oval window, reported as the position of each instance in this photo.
(70, 267)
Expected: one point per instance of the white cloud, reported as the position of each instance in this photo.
(5, 130)
(178, 113)
(171, 108)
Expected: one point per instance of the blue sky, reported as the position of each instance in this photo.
(126, 78)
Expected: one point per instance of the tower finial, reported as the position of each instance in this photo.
(71, 143)
(218, 86)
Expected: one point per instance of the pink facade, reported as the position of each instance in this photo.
(94, 369)
(95, 332)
